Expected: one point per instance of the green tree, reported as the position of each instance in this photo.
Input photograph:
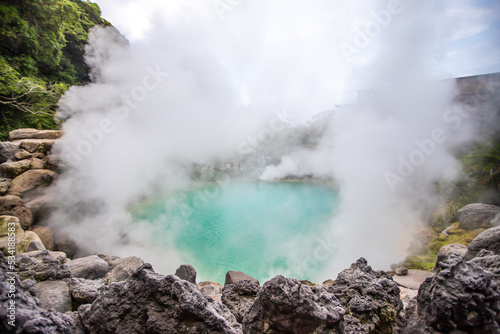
(42, 46)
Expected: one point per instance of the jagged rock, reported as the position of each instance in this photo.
(8, 151)
(148, 302)
(23, 154)
(30, 180)
(462, 298)
(35, 245)
(30, 317)
(489, 240)
(477, 215)
(36, 163)
(42, 265)
(445, 252)
(13, 206)
(233, 277)
(89, 267)
(122, 268)
(187, 273)
(4, 186)
(8, 225)
(489, 261)
(372, 299)
(211, 289)
(64, 243)
(54, 295)
(46, 236)
(287, 306)
(12, 169)
(85, 291)
(240, 297)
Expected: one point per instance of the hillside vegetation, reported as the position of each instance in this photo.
(42, 44)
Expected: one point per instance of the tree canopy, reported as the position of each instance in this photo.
(42, 44)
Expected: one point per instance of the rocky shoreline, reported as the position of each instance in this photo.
(46, 288)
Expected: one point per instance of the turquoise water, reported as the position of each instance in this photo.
(261, 228)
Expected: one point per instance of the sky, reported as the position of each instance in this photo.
(469, 45)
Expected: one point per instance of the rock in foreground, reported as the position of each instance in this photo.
(287, 306)
(462, 298)
(148, 302)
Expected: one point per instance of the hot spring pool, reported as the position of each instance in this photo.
(261, 228)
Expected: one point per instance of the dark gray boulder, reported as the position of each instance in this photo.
(372, 299)
(89, 267)
(233, 277)
(42, 265)
(462, 298)
(477, 215)
(148, 302)
(287, 306)
(489, 240)
(240, 297)
(187, 273)
(30, 317)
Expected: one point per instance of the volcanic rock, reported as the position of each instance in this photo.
(42, 265)
(233, 277)
(372, 299)
(187, 273)
(445, 252)
(240, 297)
(148, 302)
(462, 298)
(287, 306)
(30, 317)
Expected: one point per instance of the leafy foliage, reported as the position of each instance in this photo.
(42, 44)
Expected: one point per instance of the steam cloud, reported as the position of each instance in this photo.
(195, 86)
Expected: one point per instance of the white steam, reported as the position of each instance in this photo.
(200, 82)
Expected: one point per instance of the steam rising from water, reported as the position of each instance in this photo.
(196, 87)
